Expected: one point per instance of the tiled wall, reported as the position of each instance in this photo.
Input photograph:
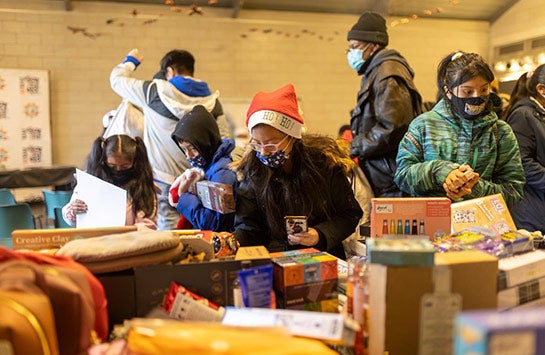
(256, 51)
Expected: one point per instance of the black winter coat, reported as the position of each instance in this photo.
(527, 118)
(251, 226)
(387, 102)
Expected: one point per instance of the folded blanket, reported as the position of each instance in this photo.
(123, 251)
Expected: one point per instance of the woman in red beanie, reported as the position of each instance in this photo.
(288, 174)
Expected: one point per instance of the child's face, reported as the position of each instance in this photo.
(119, 162)
(189, 150)
(475, 87)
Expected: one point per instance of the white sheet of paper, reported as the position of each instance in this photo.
(106, 203)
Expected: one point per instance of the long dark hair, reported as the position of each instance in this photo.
(526, 86)
(141, 188)
(519, 92)
(311, 156)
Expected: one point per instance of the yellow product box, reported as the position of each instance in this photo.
(489, 212)
(409, 217)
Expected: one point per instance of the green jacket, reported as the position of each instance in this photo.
(438, 142)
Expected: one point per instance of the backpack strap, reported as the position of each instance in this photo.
(496, 135)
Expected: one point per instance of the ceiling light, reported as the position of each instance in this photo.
(500, 67)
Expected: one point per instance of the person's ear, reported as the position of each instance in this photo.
(540, 88)
(170, 73)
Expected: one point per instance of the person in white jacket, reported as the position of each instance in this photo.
(164, 101)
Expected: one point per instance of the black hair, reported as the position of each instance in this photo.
(181, 61)
(457, 68)
(519, 92)
(343, 128)
(309, 155)
(526, 86)
(141, 188)
(537, 77)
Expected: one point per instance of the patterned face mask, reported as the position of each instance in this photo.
(273, 160)
(197, 162)
(470, 107)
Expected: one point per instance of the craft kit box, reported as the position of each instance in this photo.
(396, 296)
(216, 196)
(488, 332)
(50, 238)
(305, 279)
(408, 217)
(489, 212)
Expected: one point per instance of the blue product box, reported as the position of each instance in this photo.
(489, 332)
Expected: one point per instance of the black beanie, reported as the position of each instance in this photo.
(371, 27)
(199, 128)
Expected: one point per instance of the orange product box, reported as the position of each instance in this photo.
(307, 276)
(488, 211)
(407, 217)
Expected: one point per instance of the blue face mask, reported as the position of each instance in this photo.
(355, 58)
(197, 162)
(273, 160)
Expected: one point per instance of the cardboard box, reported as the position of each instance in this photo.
(409, 217)
(216, 196)
(491, 332)
(489, 212)
(50, 238)
(395, 295)
(400, 251)
(521, 294)
(521, 268)
(136, 292)
(210, 279)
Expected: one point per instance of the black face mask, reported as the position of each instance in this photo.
(470, 107)
(121, 177)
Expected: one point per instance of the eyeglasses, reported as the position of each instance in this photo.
(362, 46)
(271, 148)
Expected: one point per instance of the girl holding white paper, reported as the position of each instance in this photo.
(122, 161)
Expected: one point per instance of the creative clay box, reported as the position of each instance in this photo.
(409, 217)
(50, 238)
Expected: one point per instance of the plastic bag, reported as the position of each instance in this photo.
(127, 119)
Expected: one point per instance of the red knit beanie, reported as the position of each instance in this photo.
(277, 109)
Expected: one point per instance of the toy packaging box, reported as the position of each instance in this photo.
(409, 217)
(489, 212)
(305, 279)
(216, 196)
